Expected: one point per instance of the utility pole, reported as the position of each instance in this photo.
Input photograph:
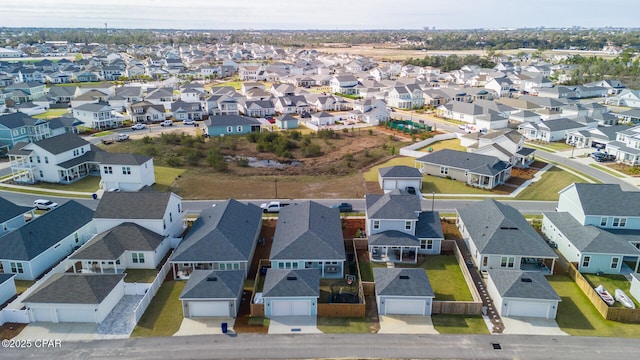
(433, 201)
(275, 181)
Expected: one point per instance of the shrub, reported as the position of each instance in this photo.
(312, 150)
(174, 161)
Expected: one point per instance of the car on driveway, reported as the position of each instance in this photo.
(410, 189)
(602, 156)
(343, 207)
(139, 126)
(43, 204)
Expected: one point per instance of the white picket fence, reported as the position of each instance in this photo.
(151, 292)
(136, 288)
(14, 316)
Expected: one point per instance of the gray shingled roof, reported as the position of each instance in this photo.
(292, 283)
(111, 244)
(399, 171)
(68, 288)
(109, 158)
(133, 205)
(392, 205)
(589, 238)
(5, 277)
(510, 285)
(607, 200)
(308, 231)
(9, 210)
(499, 229)
(18, 119)
(475, 163)
(393, 238)
(38, 235)
(225, 232)
(429, 226)
(206, 284)
(61, 143)
(402, 282)
(230, 120)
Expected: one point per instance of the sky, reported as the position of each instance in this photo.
(314, 14)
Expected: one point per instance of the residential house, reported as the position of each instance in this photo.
(596, 227)
(160, 96)
(502, 87)
(61, 94)
(257, 108)
(221, 104)
(145, 112)
(211, 293)
(613, 86)
(631, 116)
(399, 177)
(64, 124)
(37, 246)
(182, 110)
(478, 170)
(403, 291)
(291, 292)
(499, 237)
(13, 216)
(287, 122)
(626, 146)
(398, 230)
(522, 294)
(25, 92)
(406, 97)
(223, 238)
(309, 236)
(344, 84)
(98, 116)
(552, 130)
(323, 118)
(222, 125)
(19, 127)
(126, 172)
(160, 212)
(599, 137)
(626, 97)
(506, 144)
(292, 104)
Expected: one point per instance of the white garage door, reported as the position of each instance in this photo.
(45, 315)
(209, 308)
(530, 309)
(76, 315)
(389, 184)
(290, 308)
(404, 307)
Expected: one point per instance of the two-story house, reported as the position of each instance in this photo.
(505, 144)
(344, 84)
(19, 127)
(183, 110)
(144, 111)
(406, 97)
(97, 116)
(626, 147)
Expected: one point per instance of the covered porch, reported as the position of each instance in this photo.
(22, 169)
(394, 246)
(182, 271)
(76, 169)
(525, 157)
(97, 266)
(543, 265)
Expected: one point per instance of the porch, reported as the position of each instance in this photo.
(525, 157)
(97, 267)
(73, 172)
(537, 265)
(394, 254)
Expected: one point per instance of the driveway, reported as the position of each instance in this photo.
(120, 322)
(204, 326)
(406, 324)
(531, 326)
(293, 325)
(61, 331)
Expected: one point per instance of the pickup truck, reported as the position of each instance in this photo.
(273, 207)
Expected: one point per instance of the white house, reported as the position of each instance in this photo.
(7, 287)
(13, 216)
(399, 177)
(97, 116)
(522, 294)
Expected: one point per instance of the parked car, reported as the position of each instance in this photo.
(273, 207)
(43, 204)
(344, 207)
(139, 126)
(410, 189)
(166, 123)
(602, 156)
(188, 122)
(121, 137)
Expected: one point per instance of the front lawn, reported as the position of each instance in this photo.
(578, 317)
(372, 173)
(445, 277)
(453, 144)
(88, 184)
(52, 113)
(164, 315)
(140, 275)
(611, 282)
(165, 176)
(552, 181)
(335, 325)
(459, 324)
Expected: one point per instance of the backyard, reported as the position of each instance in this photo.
(445, 277)
(140, 275)
(164, 314)
(611, 282)
(553, 180)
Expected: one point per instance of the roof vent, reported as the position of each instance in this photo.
(212, 278)
(292, 278)
(404, 277)
(526, 279)
(508, 228)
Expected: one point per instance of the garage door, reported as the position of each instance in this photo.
(404, 307)
(290, 308)
(44, 315)
(531, 309)
(402, 184)
(209, 308)
(389, 185)
(76, 315)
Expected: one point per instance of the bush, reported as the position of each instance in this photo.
(149, 150)
(312, 150)
(174, 161)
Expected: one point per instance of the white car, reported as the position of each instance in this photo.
(166, 123)
(122, 137)
(42, 204)
(188, 122)
(139, 126)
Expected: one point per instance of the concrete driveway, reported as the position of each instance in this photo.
(531, 326)
(406, 324)
(204, 326)
(293, 325)
(60, 331)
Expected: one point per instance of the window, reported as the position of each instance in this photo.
(126, 170)
(407, 225)
(507, 262)
(46, 159)
(376, 224)
(229, 129)
(444, 170)
(619, 222)
(107, 170)
(603, 221)
(170, 217)
(485, 260)
(239, 129)
(164, 224)
(137, 258)
(41, 173)
(614, 262)
(76, 237)
(38, 159)
(585, 261)
(429, 244)
(178, 208)
(16, 268)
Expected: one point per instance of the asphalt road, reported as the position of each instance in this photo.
(371, 346)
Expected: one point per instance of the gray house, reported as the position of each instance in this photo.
(224, 237)
(212, 293)
(403, 291)
(291, 292)
(483, 171)
(522, 293)
(309, 235)
(399, 177)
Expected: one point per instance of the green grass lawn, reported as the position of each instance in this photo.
(236, 84)
(140, 275)
(372, 174)
(577, 316)
(23, 285)
(164, 315)
(607, 170)
(540, 148)
(165, 176)
(52, 113)
(103, 133)
(87, 184)
(366, 270)
(334, 325)
(611, 282)
(453, 144)
(459, 324)
(445, 277)
(547, 187)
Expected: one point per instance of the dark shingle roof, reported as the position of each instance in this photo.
(510, 284)
(9, 210)
(402, 282)
(429, 226)
(133, 205)
(608, 200)
(111, 244)
(38, 235)
(61, 143)
(75, 289)
(392, 205)
(225, 232)
(476, 163)
(393, 238)
(206, 284)
(230, 120)
(5, 277)
(308, 231)
(399, 171)
(292, 283)
(109, 158)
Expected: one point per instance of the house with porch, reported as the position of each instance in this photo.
(257, 108)
(499, 237)
(406, 97)
(626, 97)
(599, 137)
(552, 130)
(223, 238)
(344, 84)
(626, 146)
(19, 127)
(37, 246)
(505, 144)
(478, 170)
(398, 230)
(309, 236)
(225, 125)
(145, 112)
(97, 116)
(182, 110)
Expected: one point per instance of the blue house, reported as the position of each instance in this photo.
(221, 125)
(19, 127)
(287, 122)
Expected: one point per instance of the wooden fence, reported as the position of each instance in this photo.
(456, 307)
(342, 310)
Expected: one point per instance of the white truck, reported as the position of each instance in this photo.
(273, 206)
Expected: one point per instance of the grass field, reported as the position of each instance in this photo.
(548, 186)
(165, 176)
(611, 282)
(445, 277)
(140, 275)
(164, 314)
(23, 285)
(335, 325)
(607, 170)
(459, 324)
(87, 184)
(51, 114)
(453, 144)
